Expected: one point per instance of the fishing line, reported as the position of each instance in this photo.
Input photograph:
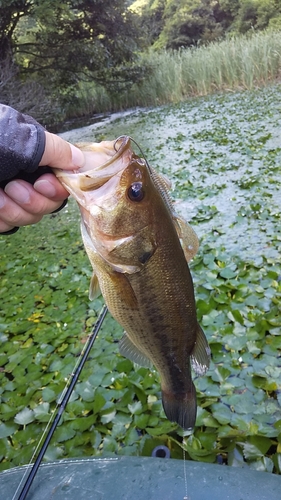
(185, 476)
(58, 411)
(186, 497)
(135, 142)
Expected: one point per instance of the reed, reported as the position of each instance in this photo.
(237, 63)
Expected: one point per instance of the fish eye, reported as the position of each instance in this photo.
(136, 192)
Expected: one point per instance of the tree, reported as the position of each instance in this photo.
(151, 13)
(181, 23)
(63, 41)
(188, 22)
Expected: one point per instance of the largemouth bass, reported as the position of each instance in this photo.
(139, 249)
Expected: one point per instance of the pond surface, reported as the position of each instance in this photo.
(223, 155)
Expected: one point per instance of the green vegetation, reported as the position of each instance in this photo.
(173, 24)
(52, 45)
(223, 155)
(228, 65)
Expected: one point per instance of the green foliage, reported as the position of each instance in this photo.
(57, 44)
(237, 63)
(223, 155)
(80, 57)
(152, 17)
(179, 23)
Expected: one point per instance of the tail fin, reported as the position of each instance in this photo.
(181, 407)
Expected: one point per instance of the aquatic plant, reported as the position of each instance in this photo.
(223, 155)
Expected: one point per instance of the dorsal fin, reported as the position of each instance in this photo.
(163, 185)
(186, 234)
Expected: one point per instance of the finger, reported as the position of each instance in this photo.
(61, 154)
(50, 187)
(4, 227)
(12, 214)
(25, 197)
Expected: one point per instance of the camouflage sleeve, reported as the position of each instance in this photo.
(22, 143)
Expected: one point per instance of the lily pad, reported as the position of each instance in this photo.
(24, 417)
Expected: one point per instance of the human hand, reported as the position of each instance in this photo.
(22, 203)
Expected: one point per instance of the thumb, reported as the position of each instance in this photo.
(61, 154)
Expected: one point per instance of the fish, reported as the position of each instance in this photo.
(139, 248)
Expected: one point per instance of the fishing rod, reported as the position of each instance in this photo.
(62, 403)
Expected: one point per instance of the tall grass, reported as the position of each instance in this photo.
(242, 62)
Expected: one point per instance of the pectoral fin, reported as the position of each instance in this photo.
(200, 356)
(128, 349)
(119, 286)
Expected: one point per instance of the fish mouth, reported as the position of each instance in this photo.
(102, 161)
